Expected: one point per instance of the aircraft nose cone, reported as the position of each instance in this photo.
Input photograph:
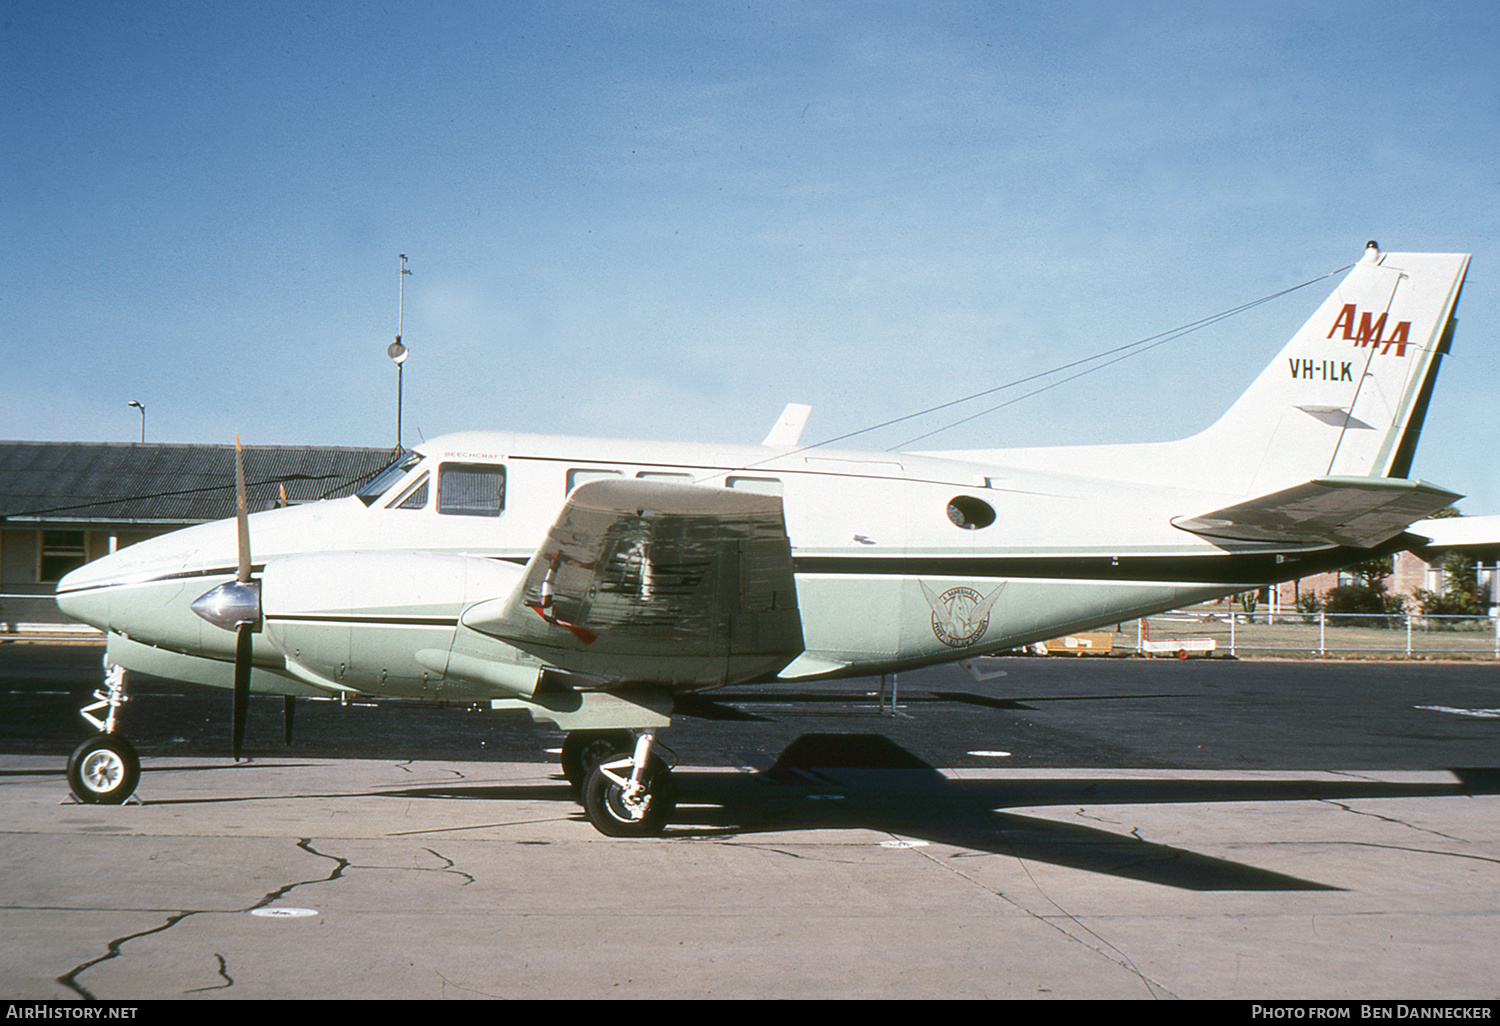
(84, 604)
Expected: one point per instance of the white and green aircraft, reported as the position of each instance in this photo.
(589, 581)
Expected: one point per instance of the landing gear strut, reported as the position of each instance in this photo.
(104, 770)
(631, 795)
(582, 750)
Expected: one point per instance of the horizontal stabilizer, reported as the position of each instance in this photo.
(1360, 512)
(656, 583)
(1472, 535)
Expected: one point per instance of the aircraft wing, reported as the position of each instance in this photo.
(646, 582)
(1357, 511)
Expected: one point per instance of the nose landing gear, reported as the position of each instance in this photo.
(104, 769)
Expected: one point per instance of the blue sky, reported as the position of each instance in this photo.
(669, 220)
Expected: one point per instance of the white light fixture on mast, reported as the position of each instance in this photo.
(142, 408)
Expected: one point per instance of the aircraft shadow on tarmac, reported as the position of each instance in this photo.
(832, 781)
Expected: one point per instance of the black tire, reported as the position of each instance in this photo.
(104, 770)
(604, 803)
(582, 750)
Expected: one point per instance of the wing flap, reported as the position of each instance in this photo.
(657, 583)
(1356, 511)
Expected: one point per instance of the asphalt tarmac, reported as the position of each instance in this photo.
(1066, 828)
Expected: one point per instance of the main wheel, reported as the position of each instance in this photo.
(104, 770)
(614, 814)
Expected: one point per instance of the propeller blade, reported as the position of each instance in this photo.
(243, 639)
(242, 643)
(288, 703)
(241, 512)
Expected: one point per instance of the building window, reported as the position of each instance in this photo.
(62, 551)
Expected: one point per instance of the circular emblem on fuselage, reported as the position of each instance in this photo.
(960, 617)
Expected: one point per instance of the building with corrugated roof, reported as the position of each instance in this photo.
(65, 503)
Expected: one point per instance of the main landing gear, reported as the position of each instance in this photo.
(626, 789)
(104, 770)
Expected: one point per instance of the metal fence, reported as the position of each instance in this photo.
(1318, 634)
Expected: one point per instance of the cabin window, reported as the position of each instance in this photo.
(583, 475)
(471, 489)
(759, 485)
(414, 497)
(664, 476)
(970, 513)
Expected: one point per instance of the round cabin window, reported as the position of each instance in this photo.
(970, 513)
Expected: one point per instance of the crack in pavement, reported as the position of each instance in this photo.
(1103, 948)
(1387, 819)
(1155, 989)
(449, 867)
(223, 971)
(113, 949)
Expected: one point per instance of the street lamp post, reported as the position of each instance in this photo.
(398, 352)
(142, 408)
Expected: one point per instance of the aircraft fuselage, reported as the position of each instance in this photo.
(900, 561)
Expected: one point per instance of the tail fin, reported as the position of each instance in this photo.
(1347, 396)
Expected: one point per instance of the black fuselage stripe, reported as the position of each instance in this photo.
(396, 621)
(1256, 568)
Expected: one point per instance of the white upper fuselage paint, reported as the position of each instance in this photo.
(871, 536)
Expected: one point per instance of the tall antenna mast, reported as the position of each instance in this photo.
(401, 298)
(397, 351)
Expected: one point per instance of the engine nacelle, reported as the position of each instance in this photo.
(382, 622)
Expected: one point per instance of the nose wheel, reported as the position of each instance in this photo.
(630, 794)
(104, 770)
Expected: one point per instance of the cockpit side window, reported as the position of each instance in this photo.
(471, 489)
(415, 496)
(388, 477)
